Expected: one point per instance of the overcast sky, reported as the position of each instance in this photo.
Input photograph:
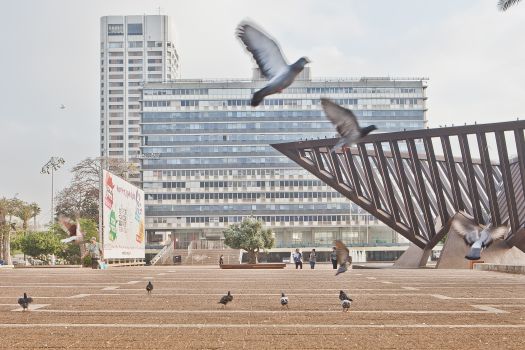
(473, 54)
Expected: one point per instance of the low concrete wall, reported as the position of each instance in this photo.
(520, 269)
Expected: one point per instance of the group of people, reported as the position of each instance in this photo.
(298, 258)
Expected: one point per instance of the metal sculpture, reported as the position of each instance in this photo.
(400, 178)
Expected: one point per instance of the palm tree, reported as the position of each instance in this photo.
(24, 213)
(503, 5)
(35, 211)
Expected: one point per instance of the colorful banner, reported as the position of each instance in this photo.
(123, 219)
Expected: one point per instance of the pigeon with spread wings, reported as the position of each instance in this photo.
(25, 301)
(343, 257)
(72, 228)
(270, 60)
(346, 124)
(478, 238)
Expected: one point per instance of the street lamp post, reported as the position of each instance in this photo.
(53, 164)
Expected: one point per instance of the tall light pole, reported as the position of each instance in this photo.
(53, 164)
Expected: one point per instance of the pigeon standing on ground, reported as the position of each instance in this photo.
(284, 300)
(149, 287)
(25, 301)
(345, 300)
(270, 60)
(226, 299)
(478, 238)
(346, 124)
(343, 257)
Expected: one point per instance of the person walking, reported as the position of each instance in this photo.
(333, 258)
(313, 259)
(221, 260)
(298, 259)
(95, 252)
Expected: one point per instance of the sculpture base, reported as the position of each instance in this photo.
(413, 258)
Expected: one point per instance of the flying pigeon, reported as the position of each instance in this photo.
(346, 124)
(284, 300)
(345, 300)
(478, 238)
(226, 299)
(343, 257)
(270, 60)
(73, 229)
(25, 301)
(149, 287)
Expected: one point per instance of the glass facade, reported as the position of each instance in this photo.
(207, 160)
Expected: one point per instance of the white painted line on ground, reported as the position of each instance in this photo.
(312, 290)
(410, 288)
(79, 296)
(483, 309)
(161, 274)
(299, 295)
(252, 325)
(148, 278)
(110, 288)
(38, 297)
(32, 307)
(490, 309)
(387, 282)
(371, 278)
(133, 282)
(439, 296)
(508, 305)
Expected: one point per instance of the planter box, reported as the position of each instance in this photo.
(253, 266)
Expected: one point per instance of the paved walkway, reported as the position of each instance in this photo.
(431, 309)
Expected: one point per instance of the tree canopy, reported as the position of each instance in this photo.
(249, 235)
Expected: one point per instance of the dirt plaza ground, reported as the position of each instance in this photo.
(392, 309)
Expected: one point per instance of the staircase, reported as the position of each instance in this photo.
(164, 256)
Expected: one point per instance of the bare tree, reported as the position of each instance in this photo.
(80, 198)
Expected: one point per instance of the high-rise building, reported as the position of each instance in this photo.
(207, 160)
(133, 50)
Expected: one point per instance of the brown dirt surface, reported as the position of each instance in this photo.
(391, 309)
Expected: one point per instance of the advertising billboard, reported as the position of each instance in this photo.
(123, 219)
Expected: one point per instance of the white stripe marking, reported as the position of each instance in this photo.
(439, 296)
(410, 288)
(79, 296)
(220, 325)
(483, 310)
(32, 307)
(133, 282)
(110, 288)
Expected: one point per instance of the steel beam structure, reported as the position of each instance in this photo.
(416, 181)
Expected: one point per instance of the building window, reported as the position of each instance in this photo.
(116, 45)
(134, 44)
(134, 28)
(115, 29)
